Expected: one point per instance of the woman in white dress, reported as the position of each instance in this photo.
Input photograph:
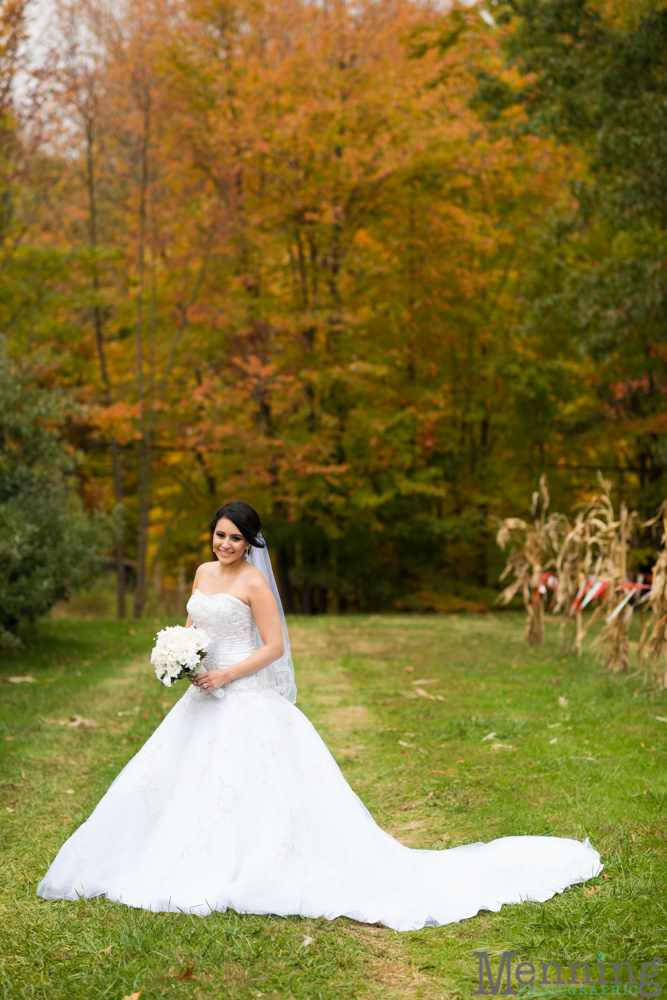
(236, 802)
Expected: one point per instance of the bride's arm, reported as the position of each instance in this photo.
(265, 612)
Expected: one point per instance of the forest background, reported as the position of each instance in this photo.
(373, 267)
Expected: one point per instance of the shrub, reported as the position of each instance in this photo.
(48, 543)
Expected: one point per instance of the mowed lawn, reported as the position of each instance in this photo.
(405, 704)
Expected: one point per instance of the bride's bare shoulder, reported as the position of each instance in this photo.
(254, 580)
(205, 569)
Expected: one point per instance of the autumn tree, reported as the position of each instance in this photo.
(301, 260)
(591, 74)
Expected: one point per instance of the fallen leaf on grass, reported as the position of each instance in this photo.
(402, 744)
(424, 694)
(352, 751)
(502, 746)
(591, 892)
(563, 702)
(69, 791)
(106, 951)
(75, 722)
(8, 809)
(606, 877)
(133, 996)
(15, 787)
(307, 941)
(489, 736)
(660, 718)
(26, 679)
(438, 772)
(78, 722)
(553, 725)
(187, 974)
(554, 740)
(413, 805)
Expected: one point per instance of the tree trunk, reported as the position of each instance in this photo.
(101, 355)
(145, 430)
(284, 582)
(180, 591)
(307, 600)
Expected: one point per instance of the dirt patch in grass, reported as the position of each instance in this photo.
(348, 718)
(387, 968)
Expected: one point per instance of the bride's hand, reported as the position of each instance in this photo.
(210, 679)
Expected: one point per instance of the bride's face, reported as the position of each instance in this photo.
(228, 542)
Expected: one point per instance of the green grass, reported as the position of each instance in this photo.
(448, 787)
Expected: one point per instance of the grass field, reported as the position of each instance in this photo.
(588, 759)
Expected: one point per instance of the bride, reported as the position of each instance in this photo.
(236, 802)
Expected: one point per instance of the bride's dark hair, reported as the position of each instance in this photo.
(245, 518)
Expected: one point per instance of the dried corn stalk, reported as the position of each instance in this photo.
(653, 642)
(610, 538)
(532, 553)
(573, 567)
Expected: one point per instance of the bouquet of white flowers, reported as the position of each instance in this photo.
(178, 652)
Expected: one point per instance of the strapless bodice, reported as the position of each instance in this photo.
(231, 625)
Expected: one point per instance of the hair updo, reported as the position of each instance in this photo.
(245, 518)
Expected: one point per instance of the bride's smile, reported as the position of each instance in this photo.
(229, 545)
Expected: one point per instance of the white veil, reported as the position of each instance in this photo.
(281, 672)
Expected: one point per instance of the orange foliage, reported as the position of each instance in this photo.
(307, 268)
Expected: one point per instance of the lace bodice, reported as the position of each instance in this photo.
(231, 625)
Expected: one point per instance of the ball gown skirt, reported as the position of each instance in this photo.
(238, 803)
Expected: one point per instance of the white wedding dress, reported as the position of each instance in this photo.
(238, 803)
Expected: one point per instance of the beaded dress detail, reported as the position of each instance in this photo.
(238, 803)
(231, 626)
